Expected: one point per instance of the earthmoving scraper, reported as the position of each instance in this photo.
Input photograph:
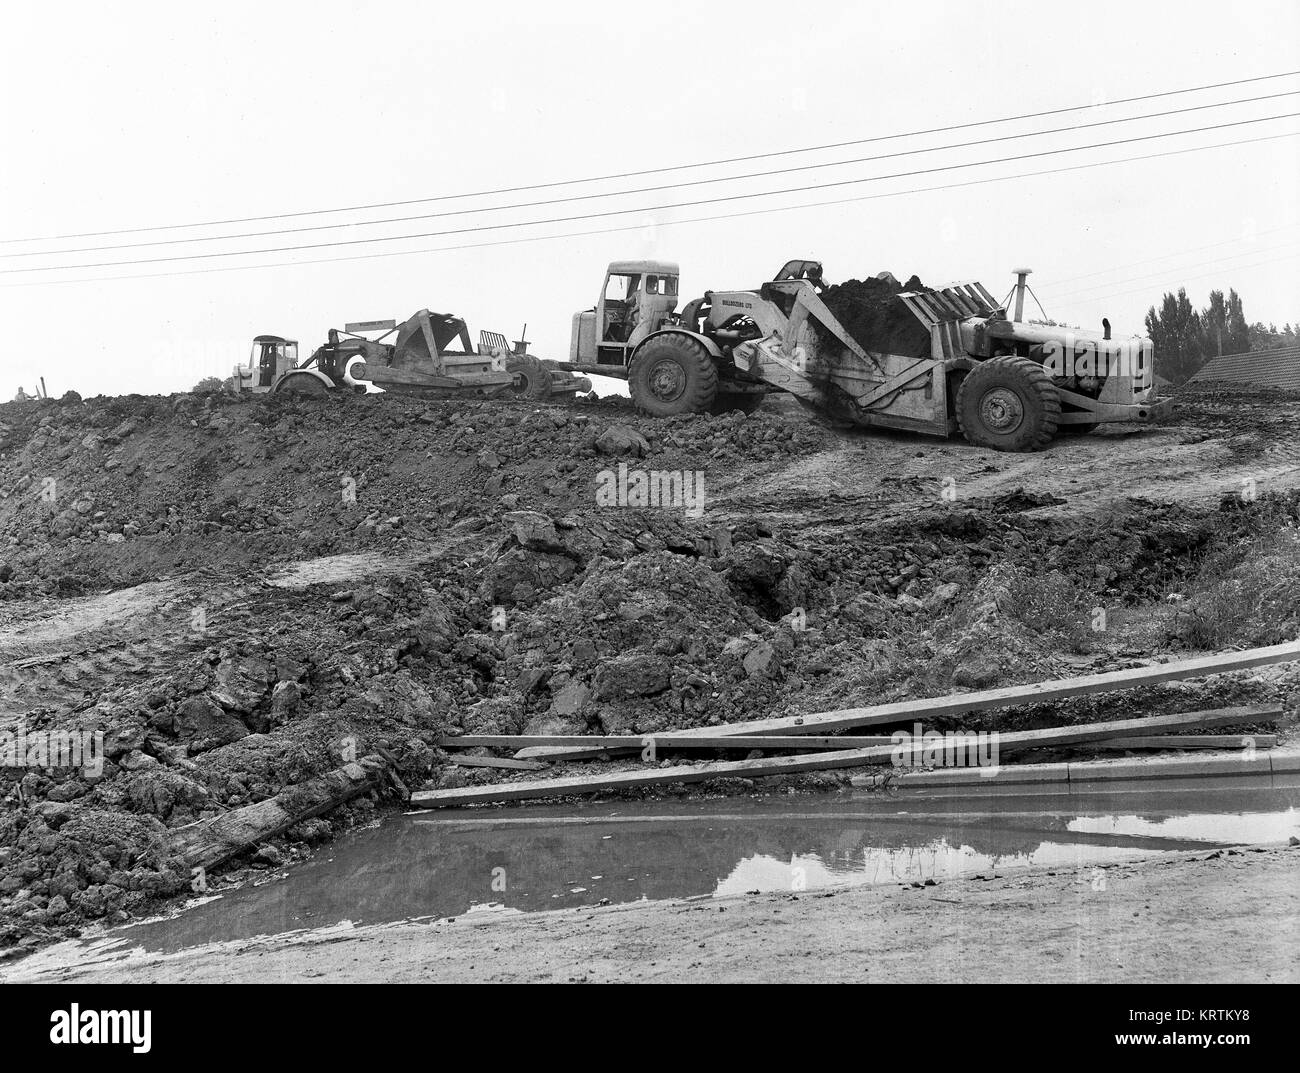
(1002, 382)
(421, 360)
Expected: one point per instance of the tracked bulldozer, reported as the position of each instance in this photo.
(430, 355)
(999, 381)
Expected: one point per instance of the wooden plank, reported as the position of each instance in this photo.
(722, 741)
(1192, 741)
(838, 758)
(208, 843)
(926, 708)
(498, 761)
(667, 740)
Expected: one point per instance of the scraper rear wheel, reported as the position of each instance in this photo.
(532, 378)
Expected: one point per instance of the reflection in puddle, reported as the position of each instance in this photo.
(493, 861)
(913, 865)
(1200, 826)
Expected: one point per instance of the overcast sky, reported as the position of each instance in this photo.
(139, 115)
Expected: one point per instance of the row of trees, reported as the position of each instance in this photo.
(1186, 338)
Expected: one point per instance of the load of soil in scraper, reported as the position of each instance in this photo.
(873, 315)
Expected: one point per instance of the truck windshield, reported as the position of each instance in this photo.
(621, 287)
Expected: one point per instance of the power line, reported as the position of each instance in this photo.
(658, 170)
(648, 189)
(1164, 273)
(645, 209)
(645, 189)
(666, 223)
(1179, 253)
(1293, 259)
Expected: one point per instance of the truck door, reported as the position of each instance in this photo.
(617, 314)
(656, 300)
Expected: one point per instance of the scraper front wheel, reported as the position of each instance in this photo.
(672, 375)
(1009, 404)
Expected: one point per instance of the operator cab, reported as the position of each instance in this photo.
(622, 293)
(638, 297)
(270, 358)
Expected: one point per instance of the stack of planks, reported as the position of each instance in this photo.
(819, 750)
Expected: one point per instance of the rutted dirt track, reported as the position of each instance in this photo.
(239, 593)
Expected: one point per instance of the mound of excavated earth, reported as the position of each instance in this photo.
(267, 605)
(870, 311)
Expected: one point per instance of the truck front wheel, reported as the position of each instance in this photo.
(1008, 404)
(671, 375)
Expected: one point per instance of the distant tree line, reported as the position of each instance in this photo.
(214, 384)
(1186, 338)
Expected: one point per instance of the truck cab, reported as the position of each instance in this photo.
(271, 357)
(637, 298)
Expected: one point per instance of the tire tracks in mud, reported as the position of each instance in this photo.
(888, 479)
(63, 656)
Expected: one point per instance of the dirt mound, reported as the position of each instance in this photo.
(119, 491)
(313, 580)
(871, 313)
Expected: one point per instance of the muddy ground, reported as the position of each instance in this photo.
(245, 594)
(1227, 916)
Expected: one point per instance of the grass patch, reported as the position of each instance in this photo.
(1247, 593)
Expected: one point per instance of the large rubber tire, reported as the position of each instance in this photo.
(1076, 430)
(1008, 404)
(534, 378)
(301, 383)
(672, 375)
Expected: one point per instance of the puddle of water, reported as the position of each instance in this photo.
(491, 861)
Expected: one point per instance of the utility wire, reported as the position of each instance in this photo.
(1177, 253)
(1292, 259)
(646, 189)
(658, 170)
(1165, 273)
(647, 208)
(666, 223)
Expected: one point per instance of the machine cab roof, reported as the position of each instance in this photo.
(658, 268)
